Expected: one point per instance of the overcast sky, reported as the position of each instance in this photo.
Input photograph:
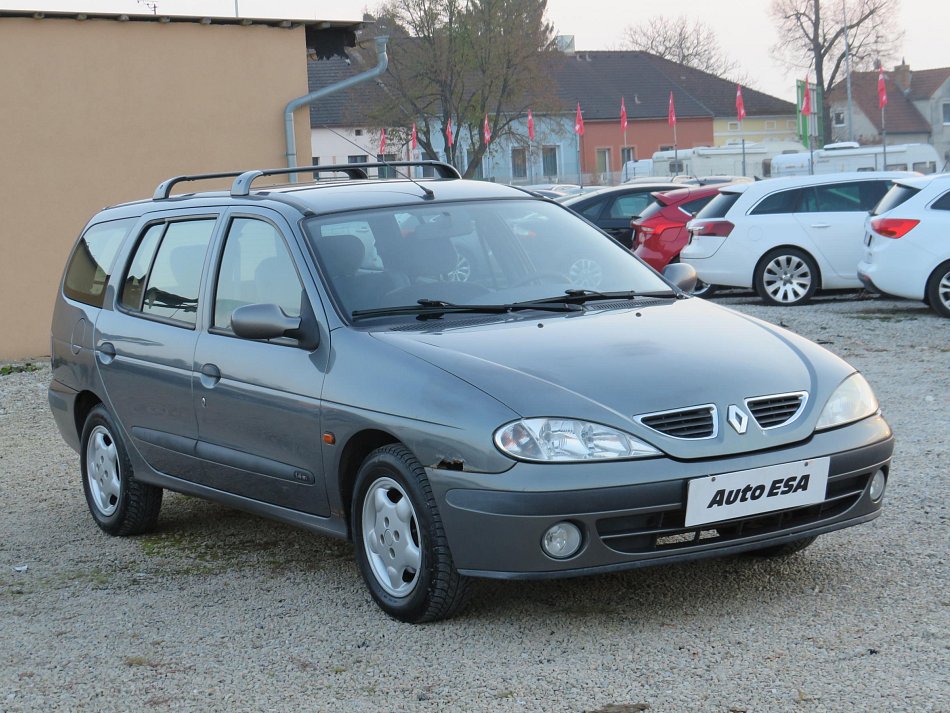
(743, 27)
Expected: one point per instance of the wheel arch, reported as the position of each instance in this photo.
(354, 452)
(86, 401)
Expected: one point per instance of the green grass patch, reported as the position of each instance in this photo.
(18, 368)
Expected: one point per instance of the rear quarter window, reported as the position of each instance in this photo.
(942, 203)
(780, 202)
(92, 260)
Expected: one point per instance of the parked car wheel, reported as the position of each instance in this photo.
(784, 550)
(703, 289)
(786, 276)
(401, 548)
(938, 289)
(120, 504)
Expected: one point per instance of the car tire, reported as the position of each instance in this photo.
(120, 504)
(783, 550)
(938, 289)
(786, 276)
(401, 548)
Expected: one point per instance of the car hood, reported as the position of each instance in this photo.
(611, 365)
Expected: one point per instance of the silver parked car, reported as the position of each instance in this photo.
(311, 353)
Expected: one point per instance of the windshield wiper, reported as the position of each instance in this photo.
(578, 297)
(432, 308)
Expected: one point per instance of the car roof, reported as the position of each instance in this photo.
(624, 188)
(688, 193)
(771, 184)
(921, 182)
(319, 197)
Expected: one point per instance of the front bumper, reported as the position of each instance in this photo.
(632, 513)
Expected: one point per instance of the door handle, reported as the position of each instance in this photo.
(105, 353)
(820, 225)
(210, 375)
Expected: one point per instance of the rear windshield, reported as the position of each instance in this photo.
(719, 206)
(894, 197)
(91, 262)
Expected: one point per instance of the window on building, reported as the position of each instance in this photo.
(385, 171)
(315, 161)
(549, 161)
(628, 153)
(770, 125)
(356, 158)
(946, 112)
(665, 147)
(358, 132)
(838, 118)
(733, 126)
(603, 160)
(519, 163)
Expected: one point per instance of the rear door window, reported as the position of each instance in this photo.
(91, 262)
(629, 205)
(856, 197)
(942, 203)
(165, 272)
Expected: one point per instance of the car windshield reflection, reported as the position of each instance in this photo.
(484, 253)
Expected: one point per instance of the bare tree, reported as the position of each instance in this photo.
(461, 60)
(812, 37)
(679, 40)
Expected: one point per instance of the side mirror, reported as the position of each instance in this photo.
(268, 321)
(680, 274)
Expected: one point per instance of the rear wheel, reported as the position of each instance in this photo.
(120, 504)
(401, 548)
(938, 289)
(786, 276)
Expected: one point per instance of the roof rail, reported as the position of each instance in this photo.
(357, 171)
(164, 188)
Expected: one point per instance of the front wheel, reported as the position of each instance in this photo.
(120, 504)
(786, 276)
(401, 548)
(938, 289)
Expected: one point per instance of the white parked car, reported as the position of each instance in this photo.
(907, 248)
(786, 237)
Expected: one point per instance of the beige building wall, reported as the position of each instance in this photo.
(98, 112)
(756, 128)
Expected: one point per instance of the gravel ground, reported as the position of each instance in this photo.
(222, 611)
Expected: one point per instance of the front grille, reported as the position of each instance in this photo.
(777, 410)
(692, 423)
(665, 530)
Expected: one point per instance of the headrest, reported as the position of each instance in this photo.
(342, 254)
(433, 257)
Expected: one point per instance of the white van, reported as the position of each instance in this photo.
(851, 156)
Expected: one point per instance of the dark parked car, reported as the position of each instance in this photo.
(612, 209)
(305, 353)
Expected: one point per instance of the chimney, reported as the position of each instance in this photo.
(901, 76)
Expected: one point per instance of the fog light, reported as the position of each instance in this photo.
(878, 481)
(562, 540)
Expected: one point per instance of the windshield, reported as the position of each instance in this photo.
(477, 252)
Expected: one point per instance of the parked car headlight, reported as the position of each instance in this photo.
(564, 440)
(851, 401)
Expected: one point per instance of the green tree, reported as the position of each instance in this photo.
(461, 60)
(812, 37)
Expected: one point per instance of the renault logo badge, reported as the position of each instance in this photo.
(737, 418)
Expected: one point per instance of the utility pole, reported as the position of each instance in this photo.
(847, 69)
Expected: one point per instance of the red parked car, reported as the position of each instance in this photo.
(659, 232)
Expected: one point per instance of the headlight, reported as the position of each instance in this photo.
(565, 440)
(851, 401)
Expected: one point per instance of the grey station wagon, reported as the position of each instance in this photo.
(411, 365)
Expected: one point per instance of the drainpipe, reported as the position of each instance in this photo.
(381, 64)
